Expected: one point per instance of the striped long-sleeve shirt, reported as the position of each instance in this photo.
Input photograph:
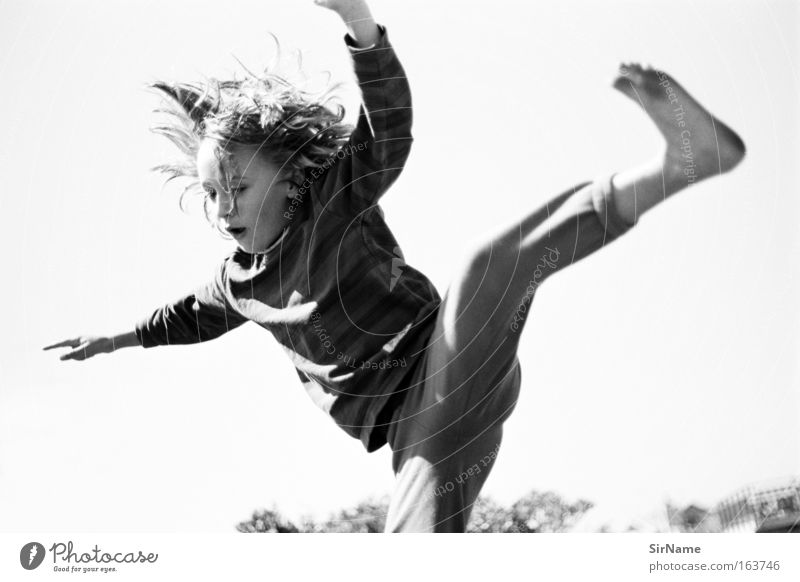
(334, 289)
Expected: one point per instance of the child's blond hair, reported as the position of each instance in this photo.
(296, 130)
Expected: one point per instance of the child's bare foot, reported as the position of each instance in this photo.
(698, 145)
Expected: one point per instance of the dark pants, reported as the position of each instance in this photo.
(447, 433)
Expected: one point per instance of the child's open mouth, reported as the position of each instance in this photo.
(236, 232)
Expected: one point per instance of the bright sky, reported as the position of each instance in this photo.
(663, 367)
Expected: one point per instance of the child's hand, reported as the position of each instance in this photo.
(86, 346)
(357, 18)
(339, 6)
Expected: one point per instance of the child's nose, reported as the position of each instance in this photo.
(224, 205)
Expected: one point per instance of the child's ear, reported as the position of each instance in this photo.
(293, 182)
(192, 100)
(291, 189)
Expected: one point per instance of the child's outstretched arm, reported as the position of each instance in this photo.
(199, 316)
(86, 346)
(362, 171)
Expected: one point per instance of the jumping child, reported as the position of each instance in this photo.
(316, 265)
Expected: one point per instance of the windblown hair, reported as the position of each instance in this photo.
(295, 129)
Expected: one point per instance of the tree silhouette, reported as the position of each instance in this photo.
(534, 512)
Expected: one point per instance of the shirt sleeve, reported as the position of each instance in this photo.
(200, 316)
(360, 172)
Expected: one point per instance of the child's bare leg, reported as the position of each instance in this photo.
(696, 144)
(471, 378)
(487, 303)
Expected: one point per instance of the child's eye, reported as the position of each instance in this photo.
(211, 194)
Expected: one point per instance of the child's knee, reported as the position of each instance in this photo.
(605, 205)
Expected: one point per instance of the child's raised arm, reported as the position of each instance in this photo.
(362, 171)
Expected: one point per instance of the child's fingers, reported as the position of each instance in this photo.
(70, 343)
(79, 354)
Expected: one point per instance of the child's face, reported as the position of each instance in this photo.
(247, 195)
